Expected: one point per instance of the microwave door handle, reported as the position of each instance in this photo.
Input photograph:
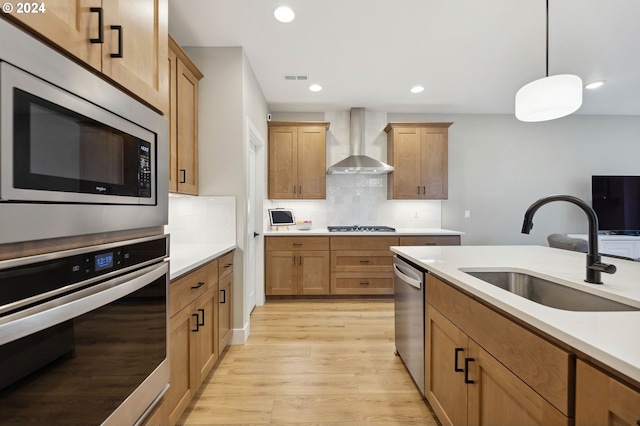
(38, 318)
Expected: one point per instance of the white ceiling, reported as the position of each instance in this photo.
(470, 55)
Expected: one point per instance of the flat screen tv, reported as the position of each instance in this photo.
(616, 201)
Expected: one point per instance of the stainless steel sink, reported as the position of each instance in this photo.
(549, 293)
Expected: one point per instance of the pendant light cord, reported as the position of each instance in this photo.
(547, 46)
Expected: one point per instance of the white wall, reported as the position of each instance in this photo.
(201, 220)
(498, 166)
(228, 94)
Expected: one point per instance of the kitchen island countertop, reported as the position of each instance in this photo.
(608, 337)
(187, 257)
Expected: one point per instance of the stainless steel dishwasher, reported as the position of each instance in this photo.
(408, 285)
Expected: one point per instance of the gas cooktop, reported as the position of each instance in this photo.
(358, 228)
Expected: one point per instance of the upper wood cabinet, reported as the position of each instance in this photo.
(130, 47)
(183, 121)
(419, 154)
(297, 160)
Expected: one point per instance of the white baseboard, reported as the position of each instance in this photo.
(239, 336)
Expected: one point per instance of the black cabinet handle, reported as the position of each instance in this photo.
(183, 178)
(119, 29)
(300, 190)
(466, 370)
(100, 38)
(294, 189)
(202, 312)
(418, 189)
(200, 284)
(228, 265)
(294, 261)
(455, 366)
(424, 189)
(197, 322)
(224, 296)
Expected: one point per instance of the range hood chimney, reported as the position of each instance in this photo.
(357, 162)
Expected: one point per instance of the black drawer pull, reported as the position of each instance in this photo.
(100, 38)
(197, 322)
(364, 261)
(200, 284)
(119, 29)
(228, 265)
(202, 312)
(364, 282)
(466, 370)
(224, 296)
(297, 244)
(455, 366)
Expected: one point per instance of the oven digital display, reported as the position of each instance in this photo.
(104, 261)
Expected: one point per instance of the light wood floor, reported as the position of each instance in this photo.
(320, 363)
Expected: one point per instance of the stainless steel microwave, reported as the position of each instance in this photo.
(77, 155)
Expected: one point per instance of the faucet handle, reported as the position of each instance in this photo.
(603, 267)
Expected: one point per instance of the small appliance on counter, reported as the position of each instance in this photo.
(304, 225)
(281, 218)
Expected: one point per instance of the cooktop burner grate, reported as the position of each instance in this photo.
(359, 228)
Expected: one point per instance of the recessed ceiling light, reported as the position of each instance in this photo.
(594, 84)
(284, 14)
(417, 89)
(315, 88)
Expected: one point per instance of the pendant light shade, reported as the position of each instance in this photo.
(549, 98)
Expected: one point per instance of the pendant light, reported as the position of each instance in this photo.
(550, 97)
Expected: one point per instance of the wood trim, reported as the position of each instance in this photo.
(296, 243)
(400, 125)
(184, 58)
(361, 261)
(363, 242)
(32, 248)
(378, 283)
(430, 240)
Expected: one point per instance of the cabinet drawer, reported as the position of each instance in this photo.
(430, 240)
(363, 242)
(187, 288)
(543, 366)
(297, 243)
(361, 283)
(226, 264)
(355, 261)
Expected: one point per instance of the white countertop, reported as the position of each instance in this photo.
(609, 337)
(325, 232)
(186, 257)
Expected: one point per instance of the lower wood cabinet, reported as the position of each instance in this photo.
(483, 369)
(200, 327)
(359, 265)
(602, 400)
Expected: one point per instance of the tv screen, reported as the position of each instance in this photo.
(616, 201)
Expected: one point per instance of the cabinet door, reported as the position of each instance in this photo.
(68, 24)
(281, 270)
(182, 358)
(602, 400)
(225, 312)
(141, 43)
(434, 162)
(498, 397)
(446, 348)
(313, 272)
(207, 334)
(172, 114)
(187, 130)
(283, 162)
(407, 184)
(312, 163)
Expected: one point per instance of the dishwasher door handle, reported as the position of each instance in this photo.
(401, 274)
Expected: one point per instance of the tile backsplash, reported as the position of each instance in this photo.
(360, 199)
(202, 220)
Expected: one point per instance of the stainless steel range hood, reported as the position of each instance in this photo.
(357, 162)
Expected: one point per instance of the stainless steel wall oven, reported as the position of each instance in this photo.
(77, 155)
(83, 334)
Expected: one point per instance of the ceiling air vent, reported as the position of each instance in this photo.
(296, 77)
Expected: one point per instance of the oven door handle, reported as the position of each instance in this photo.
(40, 317)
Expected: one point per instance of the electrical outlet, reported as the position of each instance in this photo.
(467, 214)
